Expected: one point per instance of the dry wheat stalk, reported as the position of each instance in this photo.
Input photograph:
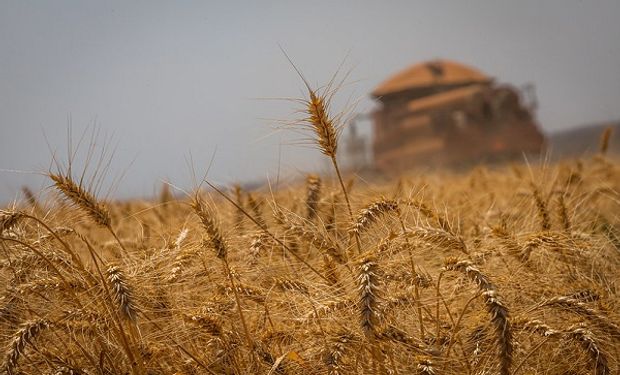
(553, 240)
(247, 291)
(181, 260)
(256, 206)
(82, 198)
(211, 325)
(563, 213)
(580, 334)
(540, 328)
(24, 336)
(394, 334)
(541, 207)
(216, 241)
(49, 283)
(575, 306)
(587, 342)
(438, 237)
(370, 214)
(259, 243)
(319, 120)
(604, 141)
(508, 241)
(441, 221)
(29, 195)
(495, 308)
(218, 244)
(325, 128)
(290, 284)
(58, 231)
(330, 271)
(313, 195)
(238, 192)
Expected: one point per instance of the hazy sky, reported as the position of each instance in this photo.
(164, 79)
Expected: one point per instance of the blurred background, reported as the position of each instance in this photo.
(171, 85)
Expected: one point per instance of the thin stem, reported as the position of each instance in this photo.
(346, 198)
(116, 238)
(530, 354)
(238, 300)
(437, 308)
(413, 274)
(458, 322)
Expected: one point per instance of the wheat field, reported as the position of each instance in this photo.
(504, 270)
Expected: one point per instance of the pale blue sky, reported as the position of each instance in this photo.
(166, 78)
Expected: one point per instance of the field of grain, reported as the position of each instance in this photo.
(510, 270)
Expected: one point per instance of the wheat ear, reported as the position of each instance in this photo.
(24, 336)
(8, 219)
(369, 294)
(326, 130)
(495, 308)
(586, 339)
(563, 213)
(575, 306)
(578, 333)
(370, 317)
(82, 198)
(122, 293)
(335, 352)
(425, 366)
(438, 237)
(370, 214)
(541, 207)
(216, 241)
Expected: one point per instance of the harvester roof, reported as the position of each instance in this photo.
(431, 73)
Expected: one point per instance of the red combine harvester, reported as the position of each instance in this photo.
(443, 113)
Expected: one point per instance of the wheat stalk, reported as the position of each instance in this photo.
(370, 214)
(313, 193)
(541, 206)
(215, 240)
(495, 308)
(24, 336)
(218, 244)
(438, 237)
(604, 140)
(575, 306)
